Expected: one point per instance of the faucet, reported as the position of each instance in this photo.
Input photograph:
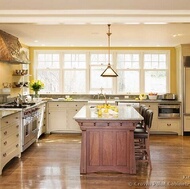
(19, 100)
(101, 95)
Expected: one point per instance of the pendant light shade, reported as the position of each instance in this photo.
(109, 72)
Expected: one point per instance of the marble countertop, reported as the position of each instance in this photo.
(4, 112)
(89, 112)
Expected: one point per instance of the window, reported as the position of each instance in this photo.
(155, 73)
(79, 72)
(48, 71)
(98, 63)
(74, 73)
(128, 68)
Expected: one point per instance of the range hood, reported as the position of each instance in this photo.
(11, 50)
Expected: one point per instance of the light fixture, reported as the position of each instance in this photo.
(109, 72)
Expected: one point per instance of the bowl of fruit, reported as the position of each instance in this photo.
(152, 96)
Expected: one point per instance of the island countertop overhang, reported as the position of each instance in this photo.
(124, 113)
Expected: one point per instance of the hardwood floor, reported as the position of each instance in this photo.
(53, 163)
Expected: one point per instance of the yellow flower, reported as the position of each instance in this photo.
(36, 85)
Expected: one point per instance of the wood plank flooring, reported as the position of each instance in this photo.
(54, 161)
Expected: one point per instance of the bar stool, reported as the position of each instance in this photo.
(142, 111)
(141, 136)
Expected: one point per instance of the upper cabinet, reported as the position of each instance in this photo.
(11, 51)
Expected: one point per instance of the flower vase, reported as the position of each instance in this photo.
(36, 95)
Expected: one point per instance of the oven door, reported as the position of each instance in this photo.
(27, 131)
(34, 127)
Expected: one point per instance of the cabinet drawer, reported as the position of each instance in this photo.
(13, 139)
(12, 151)
(65, 104)
(8, 131)
(168, 125)
(10, 121)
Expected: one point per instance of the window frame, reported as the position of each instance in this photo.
(114, 58)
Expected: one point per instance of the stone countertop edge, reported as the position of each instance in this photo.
(5, 112)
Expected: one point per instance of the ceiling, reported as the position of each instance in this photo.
(84, 23)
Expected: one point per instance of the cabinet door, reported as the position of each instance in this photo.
(186, 123)
(56, 120)
(72, 125)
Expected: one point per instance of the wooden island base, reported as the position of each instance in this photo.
(107, 146)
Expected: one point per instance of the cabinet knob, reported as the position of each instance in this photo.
(5, 133)
(17, 135)
(17, 145)
(7, 122)
(5, 143)
(5, 154)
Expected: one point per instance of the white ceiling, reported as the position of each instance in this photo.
(84, 23)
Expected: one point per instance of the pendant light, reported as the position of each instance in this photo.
(109, 72)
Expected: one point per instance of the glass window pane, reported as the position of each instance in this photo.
(100, 59)
(96, 81)
(128, 82)
(74, 81)
(127, 61)
(155, 81)
(74, 61)
(50, 78)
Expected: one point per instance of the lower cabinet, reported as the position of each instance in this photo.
(60, 116)
(186, 123)
(163, 125)
(10, 138)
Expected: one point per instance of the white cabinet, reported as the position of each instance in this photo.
(154, 108)
(10, 138)
(60, 116)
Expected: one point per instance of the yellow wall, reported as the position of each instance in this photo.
(172, 50)
(6, 76)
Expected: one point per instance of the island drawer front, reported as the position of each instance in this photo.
(120, 125)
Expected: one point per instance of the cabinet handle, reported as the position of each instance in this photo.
(5, 154)
(5, 143)
(5, 133)
(169, 124)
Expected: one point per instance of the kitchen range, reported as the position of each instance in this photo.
(29, 124)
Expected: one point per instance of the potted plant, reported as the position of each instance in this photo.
(36, 86)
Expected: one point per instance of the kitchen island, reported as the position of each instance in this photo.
(107, 139)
